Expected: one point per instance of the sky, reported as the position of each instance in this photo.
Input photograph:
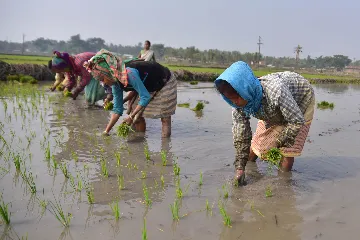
(321, 27)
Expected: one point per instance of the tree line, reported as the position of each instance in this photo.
(189, 55)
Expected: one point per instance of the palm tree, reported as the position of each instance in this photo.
(298, 50)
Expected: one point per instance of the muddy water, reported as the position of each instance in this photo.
(318, 200)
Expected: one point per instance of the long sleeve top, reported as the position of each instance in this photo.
(135, 81)
(286, 96)
(79, 70)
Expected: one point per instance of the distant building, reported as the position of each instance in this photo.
(352, 69)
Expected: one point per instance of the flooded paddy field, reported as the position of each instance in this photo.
(62, 180)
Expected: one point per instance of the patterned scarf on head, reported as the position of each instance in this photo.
(240, 76)
(61, 62)
(105, 65)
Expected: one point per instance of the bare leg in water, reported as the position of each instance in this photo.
(140, 125)
(166, 127)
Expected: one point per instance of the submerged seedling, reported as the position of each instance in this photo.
(268, 192)
(201, 179)
(176, 169)
(29, 180)
(115, 209)
(55, 163)
(175, 208)
(146, 152)
(162, 180)
(147, 200)
(74, 156)
(144, 232)
(163, 157)
(17, 162)
(79, 183)
(90, 195)
(208, 208)
(121, 182)
(118, 159)
(64, 170)
(57, 210)
(4, 212)
(179, 192)
(104, 169)
(47, 153)
(226, 217)
(143, 174)
(225, 191)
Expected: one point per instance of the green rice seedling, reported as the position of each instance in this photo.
(43, 204)
(194, 82)
(128, 165)
(156, 183)
(268, 192)
(72, 182)
(179, 192)
(176, 169)
(273, 157)
(162, 180)
(175, 208)
(4, 212)
(121, 182)
(58, 212)
(79, 183)
(115, 209)
(144, 233)
(143, 174)
(29, 180)
(146, 152)
(199, 106)
(26, 79)
(55, 163)
(67, 93)
(90, 195)
(146, 196)
(123, 130)
(225, 191)
(226, 217)
(118, 159)
(24, 237)
(325, 105)
(74, 156)
(135, 166)
(184, 105)
(109, 106)
(104, 169)
(164, 157)
(47, 152)
(17, 162)
(64, 170)
(201, 179)
(208, 208)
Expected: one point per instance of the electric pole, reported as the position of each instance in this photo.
(259, 43)
(23, 44)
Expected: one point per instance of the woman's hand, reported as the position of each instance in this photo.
(105, 102)
(128, 120)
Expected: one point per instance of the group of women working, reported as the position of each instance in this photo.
(283, 102)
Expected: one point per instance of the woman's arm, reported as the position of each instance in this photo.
(242, 136)
(117, 108)
(293, 117)
(85, 80)
(58, 80)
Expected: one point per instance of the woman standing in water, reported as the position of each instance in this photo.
(284, 104)
(146, 54)
(152, 90)
(72, 68)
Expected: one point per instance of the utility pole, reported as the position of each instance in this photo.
(259, 43)
(23, 44)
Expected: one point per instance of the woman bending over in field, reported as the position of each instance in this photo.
(72, 67)
(284, 104)
(152, 90)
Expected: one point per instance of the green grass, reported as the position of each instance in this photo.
(325, 105)
(20, 59)
(194, 82)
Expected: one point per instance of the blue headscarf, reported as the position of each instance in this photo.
(240, 76)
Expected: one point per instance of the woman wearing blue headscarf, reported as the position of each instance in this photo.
(284, 104)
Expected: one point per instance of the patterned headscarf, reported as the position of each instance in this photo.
(240, 76)
(105, 65)
(61, 62)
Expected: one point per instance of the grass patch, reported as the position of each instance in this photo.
(12, 77)
(325, 105)
(199, 107)
(184, 105)
(194, 82)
